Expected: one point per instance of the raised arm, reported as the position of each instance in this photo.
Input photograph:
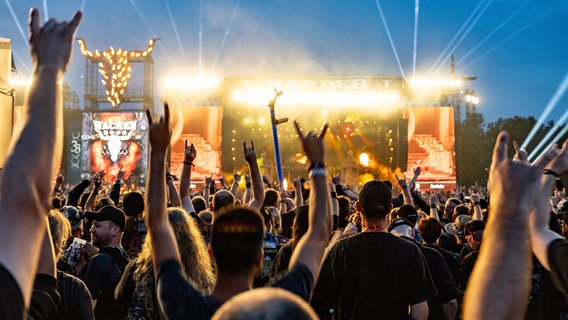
(405, 190)
(475, 197)
(256, 178)
(93, 196)
(434, 203)
(184, 185)
(35, 153)
(541, 235)
(115, 189)
(173, 195)
(310, 248)
(299, 197)
(164, 245)
(502, 271)
(235, 186)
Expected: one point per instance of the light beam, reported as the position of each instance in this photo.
(525, 26)
(175, 30)
(45, 14)
(501, 25)
(473, 13)
(238, 51)
(551, 104)
(17, 23)
(380, 9)
(220, 49)
(552, 142)
(462, 38)
(416, 10)
(200, 59)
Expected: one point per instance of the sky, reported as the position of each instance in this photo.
(518, 49)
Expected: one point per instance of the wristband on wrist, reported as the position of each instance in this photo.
(433, 206)
(189, 163)
(551, 172)
(317, 172)
(316, 165)
(249, 184)
(476, 203)
(334, 195)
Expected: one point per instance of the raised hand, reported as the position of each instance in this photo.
(520, 154)
(516, 181)
(336, 179)
(59, 178)
(312, 143)
(120, 174)
(559, 164)
(51, 44)
(434, 200)
(190, 153)
(208, 180)
(401, 181)
(160, 131)
(236, 176)
(250, 154)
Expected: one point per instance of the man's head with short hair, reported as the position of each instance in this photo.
(265, 303)
(236, 241)
(430, 229)
(375, 200)
(199, 204)
(221, 199)
(451, 203)
(107, 227)
(133, 204)
(460, 209)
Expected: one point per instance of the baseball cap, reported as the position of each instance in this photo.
(374, 195)
(408, 212)
(472, 226)
(456, 228)
(108, 213)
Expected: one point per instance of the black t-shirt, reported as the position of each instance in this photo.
(558, 260)
(372, 275)
(76, 299)
(443, 280)
(12, 304)
(180, 300)
(450, 258)
(101, 274)
(281, 262)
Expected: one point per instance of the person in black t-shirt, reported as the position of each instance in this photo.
(430, 229)
(444, 305)
(236, 236)
(374, 274)
(103, 271)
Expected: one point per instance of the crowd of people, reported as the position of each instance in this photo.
(389, 251)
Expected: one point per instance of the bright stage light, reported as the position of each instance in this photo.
(191, 83)
(435, 83)
(364, 159)
(318, 97)
(472, 99)
(20, 82)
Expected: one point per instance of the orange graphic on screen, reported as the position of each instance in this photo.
(114, 143)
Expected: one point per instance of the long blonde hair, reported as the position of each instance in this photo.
(195, 259)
